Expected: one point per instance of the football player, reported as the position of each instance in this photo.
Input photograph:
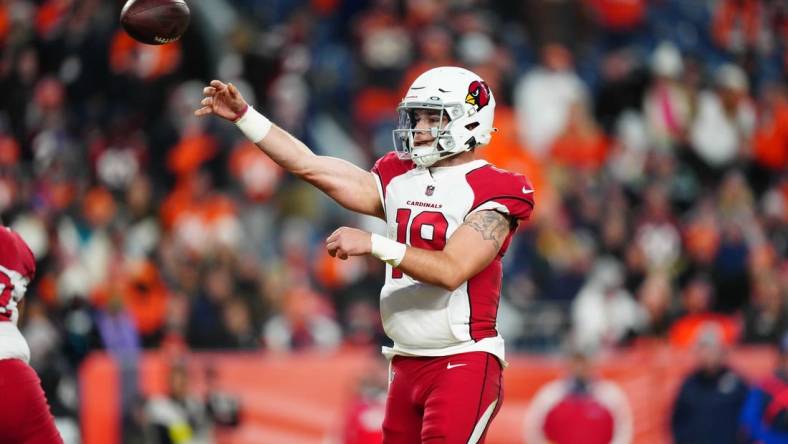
(26, 418)
(450, 218)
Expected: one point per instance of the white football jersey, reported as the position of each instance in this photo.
(17, 267)
(424, 206)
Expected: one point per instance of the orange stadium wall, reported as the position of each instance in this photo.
(301, 398)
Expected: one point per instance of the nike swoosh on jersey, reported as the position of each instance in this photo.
(526, 191)
(449, 366)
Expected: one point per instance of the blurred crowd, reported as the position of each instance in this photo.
(655, 133)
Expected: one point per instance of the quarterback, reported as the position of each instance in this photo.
(450, 218)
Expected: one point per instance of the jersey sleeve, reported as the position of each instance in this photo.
(502, 191)
(387, 168)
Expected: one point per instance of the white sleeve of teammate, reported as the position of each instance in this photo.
(616, 401)
(543, 401)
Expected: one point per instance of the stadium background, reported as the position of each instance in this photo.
(655, 132)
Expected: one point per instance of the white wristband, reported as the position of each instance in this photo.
(387, 250)
(254, 125)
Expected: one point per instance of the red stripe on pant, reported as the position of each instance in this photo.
(446, 399)
(26, 418)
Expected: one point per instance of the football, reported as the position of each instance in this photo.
(155, 22)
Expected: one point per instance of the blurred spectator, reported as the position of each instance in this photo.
(666, 106)
(656, 232)
(257, 175)
(604, 312)
(581, 144)
(618, 16)
(770, 144)
(143, 229)
(86, 243)
(544, 98)
(697, 298)
(738, 26)
(223, 409)
(435, 49)
(702, 233)
(566, 254)
(201, 217)
(765, 413)
(708, 405)
(119, 336)
(177, 417)
(724, 122)
(144, 297)
(364, 418)
(548, 21)
(385, 46)
(145, 62)
(238, 319)
(302, 324)
(767, 318)
(206, 326)
(739, 234)
(655, 296)
(622, 86)
(579, 408)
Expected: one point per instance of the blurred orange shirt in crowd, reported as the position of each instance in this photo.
(98, 206)
(142, 293)
(736, 18)
(618, 14)
(145, 297)
(373, 104)
(50, 15)
(148, 62)
(9, 150)
(771, 139)
(190, 153)
(184, 201)
(179, 204)
(334, 273)
(257, 173)
(687, 330)
(585, 150)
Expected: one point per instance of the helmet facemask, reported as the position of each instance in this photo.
(443, 144)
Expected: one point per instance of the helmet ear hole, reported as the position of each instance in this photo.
(471, 126)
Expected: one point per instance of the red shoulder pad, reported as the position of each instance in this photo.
(501, 190)
(390, 166)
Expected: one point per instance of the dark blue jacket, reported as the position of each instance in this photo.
(707, 409)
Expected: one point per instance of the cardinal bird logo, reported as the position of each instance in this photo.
(478, 94)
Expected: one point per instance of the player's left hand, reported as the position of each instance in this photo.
(345, 242)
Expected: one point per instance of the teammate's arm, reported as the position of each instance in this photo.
(349, 185)
(467, 252)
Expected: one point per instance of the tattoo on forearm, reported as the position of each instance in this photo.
(492, 225)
